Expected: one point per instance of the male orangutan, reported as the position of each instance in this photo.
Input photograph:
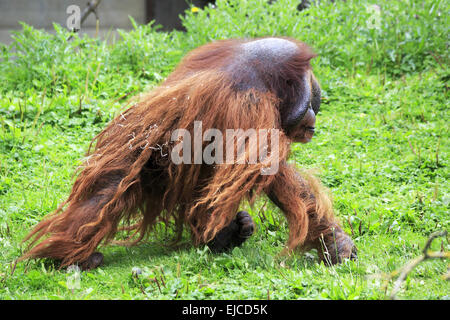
(130, 176)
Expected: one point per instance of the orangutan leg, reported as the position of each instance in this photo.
(233, 235)
(310, 218)
(76, 232)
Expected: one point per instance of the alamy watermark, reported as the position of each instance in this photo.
(73, 21)
(240, 146)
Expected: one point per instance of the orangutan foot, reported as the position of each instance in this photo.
(336, 246)
(233, 235)
(94, 260)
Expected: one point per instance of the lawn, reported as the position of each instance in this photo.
(381, 147)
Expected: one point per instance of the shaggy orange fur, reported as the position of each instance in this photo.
(129, 176)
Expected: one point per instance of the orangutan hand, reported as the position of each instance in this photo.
(233, 235)
(336, 246)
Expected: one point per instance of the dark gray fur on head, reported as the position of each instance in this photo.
(270, 50)
(264, 64)
(258, 59)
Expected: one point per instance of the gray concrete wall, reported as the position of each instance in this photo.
(42, 14)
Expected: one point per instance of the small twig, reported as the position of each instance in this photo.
(91, 8)
(261, 215)
(13, 267)
(437, 152)
(87, 82)
(436, 59)
(350, 224)
(281, 273)
(96, 74)
(142, 290)
(433, 236)
(405, 270)
(162, 281)
(261, 211)
(326, 253)
(412, 149)
(157, 283)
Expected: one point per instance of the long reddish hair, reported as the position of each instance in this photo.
(128, 175)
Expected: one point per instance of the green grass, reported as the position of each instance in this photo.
(381, 147)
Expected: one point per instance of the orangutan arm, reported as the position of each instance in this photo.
(310, 216)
